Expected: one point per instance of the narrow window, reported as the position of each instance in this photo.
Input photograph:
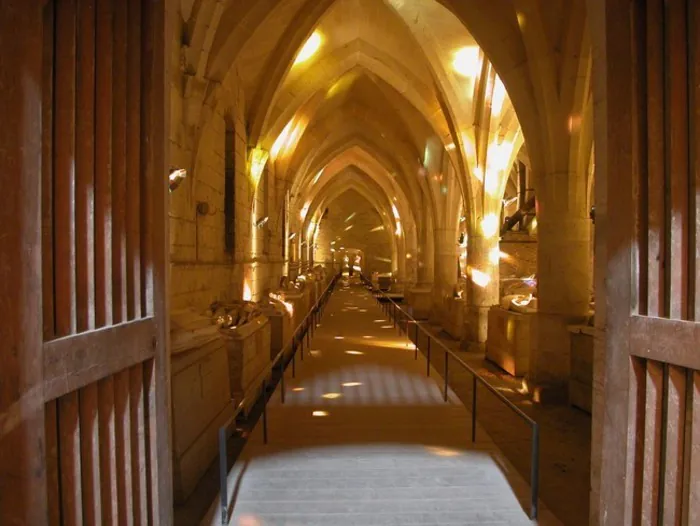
(230, 187)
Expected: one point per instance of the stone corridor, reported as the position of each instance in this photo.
(365, 438)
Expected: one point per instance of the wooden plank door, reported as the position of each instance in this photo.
(103, 263)
(650, 187)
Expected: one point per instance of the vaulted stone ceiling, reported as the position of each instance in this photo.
(421, 90)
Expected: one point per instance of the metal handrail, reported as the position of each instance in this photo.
(297, 341)
(476, 379)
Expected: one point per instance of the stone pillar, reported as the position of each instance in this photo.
(564, 280)
(294, 258)
(425, 255)
(483, 285)
(445, 265)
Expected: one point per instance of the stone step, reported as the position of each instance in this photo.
(389, 518)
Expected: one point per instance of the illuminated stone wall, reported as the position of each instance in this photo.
(202, 270)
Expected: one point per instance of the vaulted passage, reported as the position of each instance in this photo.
(364, 436)
(181, 180)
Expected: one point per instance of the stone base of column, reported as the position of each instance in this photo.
(420, 298)
(550, 361)
(293, 270)
(476, 325)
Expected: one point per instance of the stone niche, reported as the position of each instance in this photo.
(509, 340)
(201, 400)
(581, 380)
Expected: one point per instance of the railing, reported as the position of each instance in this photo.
(286, 356)
(395, 311)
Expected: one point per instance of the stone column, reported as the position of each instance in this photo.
(446, 254)
(564, 279)
(419, 297)
(425, 255)
(294, 258)
(483, 285)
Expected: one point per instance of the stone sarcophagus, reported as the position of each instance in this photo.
(581, 379)
(509, 340)
(201, 399)
(280, 313)
(248, 348)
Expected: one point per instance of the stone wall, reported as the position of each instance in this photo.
(202, 270)
(521, 255)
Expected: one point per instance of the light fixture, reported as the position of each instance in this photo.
(304, 211)
(467, 61)
(310, 48)
(292, 236)
(489, 225)
(175, 178)
(498, 97)
(262, 222)
(257, 161)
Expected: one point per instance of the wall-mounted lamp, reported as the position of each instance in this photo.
(262, 222)
(292, 236)
(257, 160)
(202, 208)
(175, 178)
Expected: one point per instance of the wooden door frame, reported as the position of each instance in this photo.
(630, 337)
(612, 400)
(22, 474)
(23, 392)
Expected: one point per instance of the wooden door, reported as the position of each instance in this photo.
(89, 443)
(648, 147)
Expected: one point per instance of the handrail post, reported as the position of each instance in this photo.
(535, 471)
(282, 389)
(474, 383)
(223, 476)
(264, 414)
(428, 353)
(447, 372)
(415, 357)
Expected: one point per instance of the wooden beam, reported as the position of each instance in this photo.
(103, 166)
(133, 161)
(156, 44)
(64, 169)
(85, 166)
(69, 460)
(652, 443)
(119, 128)
(668, 341)
(73, 362)
(655, 220)
(22, 427)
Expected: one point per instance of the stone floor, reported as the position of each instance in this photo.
(365, 438)
(565, 431)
